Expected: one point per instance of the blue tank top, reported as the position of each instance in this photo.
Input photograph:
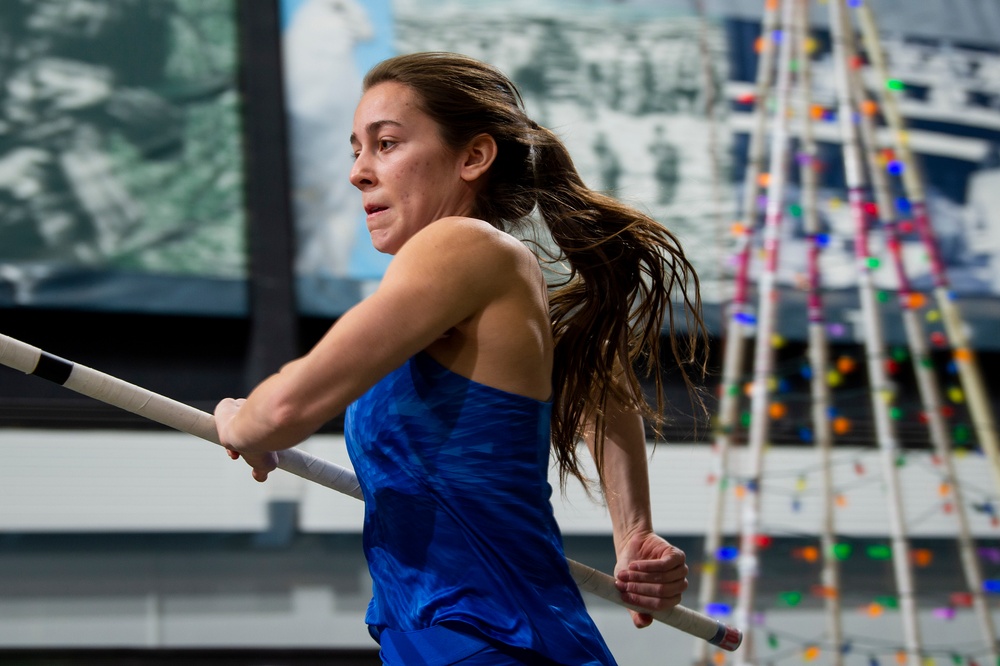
(458, 520)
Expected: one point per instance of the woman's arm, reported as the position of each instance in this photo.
(443, 275)
(650, 572)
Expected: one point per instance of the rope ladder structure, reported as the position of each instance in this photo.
(866, 181)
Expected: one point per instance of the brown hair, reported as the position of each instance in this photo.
(608, 308)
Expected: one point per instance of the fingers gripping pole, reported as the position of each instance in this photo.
(689, 621)
(143, 402)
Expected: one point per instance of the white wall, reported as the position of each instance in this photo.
(54, 481)
(67, 482)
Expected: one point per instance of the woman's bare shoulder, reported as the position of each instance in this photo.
(472, 237)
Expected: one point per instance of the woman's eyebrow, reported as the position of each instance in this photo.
(375, 126)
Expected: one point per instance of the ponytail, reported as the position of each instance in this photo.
(608, 310)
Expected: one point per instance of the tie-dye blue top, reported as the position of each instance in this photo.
(458, 520)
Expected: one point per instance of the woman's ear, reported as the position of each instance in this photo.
(479, 156)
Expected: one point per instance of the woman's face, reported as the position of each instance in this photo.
(408, 177)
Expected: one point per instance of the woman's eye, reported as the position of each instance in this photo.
(386, 144)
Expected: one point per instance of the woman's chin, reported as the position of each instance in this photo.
(383, 245)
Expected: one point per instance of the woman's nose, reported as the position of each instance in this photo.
(361, 174)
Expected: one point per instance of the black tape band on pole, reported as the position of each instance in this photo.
(53, 368)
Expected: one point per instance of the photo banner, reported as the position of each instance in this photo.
(621, 84)
(121, 158)
(627, 85)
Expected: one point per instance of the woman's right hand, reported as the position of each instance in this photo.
(262, 463)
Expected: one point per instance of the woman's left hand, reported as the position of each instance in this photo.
(651, 573)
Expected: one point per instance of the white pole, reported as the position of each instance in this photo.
(965, 358)
(155, 407)
(881, 391)
(818, 351)
(930, 393)
(735, 342)
(766, 321)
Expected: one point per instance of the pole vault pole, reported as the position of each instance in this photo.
(155, 407)
(819, 352)
(963, 354)
(881, 393)
(748, 564)
(923, 367)
(735, 342)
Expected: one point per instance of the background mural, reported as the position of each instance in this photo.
(650, 99)
(623, 85)
(328, 45)
(121, 172)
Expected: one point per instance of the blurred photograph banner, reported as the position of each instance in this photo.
(121, 159)
(650, 97)
(621, 82)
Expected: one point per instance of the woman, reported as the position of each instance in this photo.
(464, 365)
